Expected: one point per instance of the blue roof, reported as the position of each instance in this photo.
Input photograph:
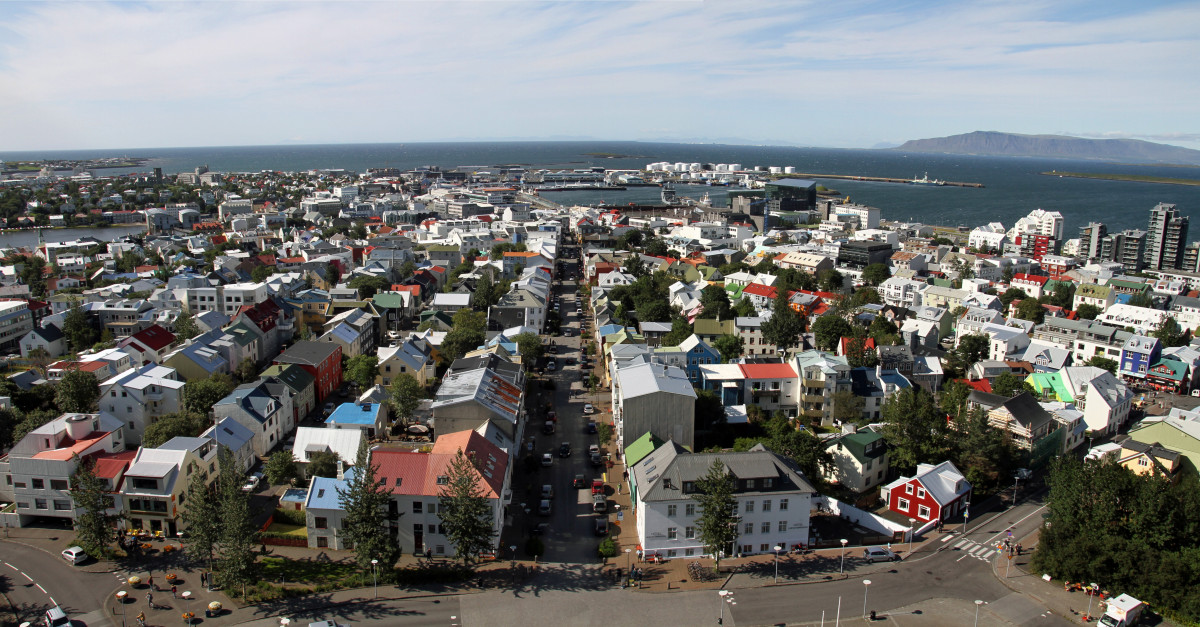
(323, 492)
(354, 414)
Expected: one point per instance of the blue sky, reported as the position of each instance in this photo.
(837, 74)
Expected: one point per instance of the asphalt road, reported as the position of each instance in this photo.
(35, 581)
(443, 611)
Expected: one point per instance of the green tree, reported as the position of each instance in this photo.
(715, 303)
(33, 274)
(954, 399)
(654, 311)
(986, 455)
(971, 348)
(185, 326)
(185, 424)
(828, 331)
(280, 467)
(876, 273)
(201, 515)
(361, 370)
(831, 281)
(915, 429)
(332, 274)
(784, 327)
(857, 353)
(94, 526)
(1063, 294)
(1141, 299)
(1170, 333)
(1011, 294)
(365, 502)
(1009, 384)
(485, 294)
(237, 565)
(78, 329)
(656, 248)
(404, 396)
(1087, 312)
(1102, 362)
(716, 527)
(200, 395)
(848, 408)
(466, 334)
(261, 273)
(744, 308)
(323, 464)
(636, 266)
(680, 331)
(465, 513)
(882, 329)
(77, 392)
(531, 348)
(368, 285)
(1030, 309)
(801, 446)
(730, 346)
(246, 371)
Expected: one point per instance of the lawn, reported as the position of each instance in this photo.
(288, 530)
(306, 571)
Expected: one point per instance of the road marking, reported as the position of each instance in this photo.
(1011, 525)
(39, 587)
(26, 576)
(949, 538)
(960, 543)
(977, 551)
(12, 567)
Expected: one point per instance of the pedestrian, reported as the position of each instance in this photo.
(150, 581)
(150, 600)
(203, 579)
(173, 589)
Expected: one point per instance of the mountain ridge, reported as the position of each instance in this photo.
(1055, 146)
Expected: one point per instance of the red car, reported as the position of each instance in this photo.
(597, 486)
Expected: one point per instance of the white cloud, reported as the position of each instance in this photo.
(93, 74)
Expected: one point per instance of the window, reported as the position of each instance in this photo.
(783, 503)
(902, 505)
(672, 510)
(689, 552)
(433, 508)
(908, 488)
(320, 522)
(920, 493)
(430, 528)
(689, 532)
(689, 509)
(782, 526)
(672, 533)
(749, 506)
(62, 506)
(923, 512)
(750, 485)
(765, 527)
(322, 542)
(38, 484)
(439, 549)
(749, 529)
(39, 503)
(672, 553)
(766, 505)
(1143, 462)
(418, 507)
(763, 548)
(768, 483)
(58, 484)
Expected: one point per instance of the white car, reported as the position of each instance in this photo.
(588, 409)
(879, 554)
(74, 555)
(252, 482)
(551, 365)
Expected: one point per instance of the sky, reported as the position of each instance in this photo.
(833, 74)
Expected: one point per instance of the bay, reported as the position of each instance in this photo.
(28, 238)
(1012, 185)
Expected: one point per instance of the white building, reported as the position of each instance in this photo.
(139, 397)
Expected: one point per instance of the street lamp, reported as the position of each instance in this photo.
(187, 598)
(724, 597)
(180, 534)
(513, 548)
(625, 581)
(375, 576)
(1091, 596)
(977, 604)
(777, 548)
(842, 565)
(866, 587)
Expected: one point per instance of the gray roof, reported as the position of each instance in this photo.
(307, 352)
(661, 475)
(641, 379)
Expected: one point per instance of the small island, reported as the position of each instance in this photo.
(70, 164)
(1135, 178)
(613, 155)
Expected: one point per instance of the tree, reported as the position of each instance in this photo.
(185, 424)
(986, 455)
(876, 273)
(1011, 294)
(467, 333)
(1030, 309)
(78, 329)
(530, 347)
(744, 308)
(1087, 312)
(404, 396)
(200, 395)
(323, 464)
(828, 330)
(654, 311)
(332, 274)
(831, 281)
(1141, 299)
(368, 285)
(202, 518)
(915, 428)
(636, 266)
(237, 536)
(485, 293)
(94, 526)
(848, 408)
(784, 326)
(185, 326)
(715, 303)
(77, 392)
(680, 331)
(361, 370)
(365, 501)
(716, 526)
(33, 274)
(261, 273)
(1007, 275)
(246, 371)
(857, 353)
(657, 248)
(971, 348)
(280, 467)
(1102, 362)
(1009, 384)
(1063, 294)
(465, 513)
(730, 346)
(801, 446)
(1170, 333)
(881, 328)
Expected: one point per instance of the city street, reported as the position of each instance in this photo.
(35, 581)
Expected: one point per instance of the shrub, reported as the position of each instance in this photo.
(607, 548)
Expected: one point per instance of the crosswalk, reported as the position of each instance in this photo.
(974, 549)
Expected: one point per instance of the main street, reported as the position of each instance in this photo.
(35, 581)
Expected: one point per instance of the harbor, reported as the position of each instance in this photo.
(883, 179)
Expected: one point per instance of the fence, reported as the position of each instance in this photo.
(878, 524)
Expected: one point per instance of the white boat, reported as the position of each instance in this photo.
(925, 180)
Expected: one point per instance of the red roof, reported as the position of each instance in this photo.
(758, 289)
(289, 260)
(141, 269)
(767, 371)
(982, 385)
(155, 337)
(868, 345)
(264, 315)
(1030, 278)
(111, 465)
(217, 240)
(268, 260)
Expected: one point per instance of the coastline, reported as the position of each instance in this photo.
(1128, 178)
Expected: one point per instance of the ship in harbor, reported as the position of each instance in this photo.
(668, 193)
(925, 180)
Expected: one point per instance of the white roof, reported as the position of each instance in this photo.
(452, 300)
(343, 442)
(641, 379)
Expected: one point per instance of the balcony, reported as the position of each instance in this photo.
(813, 398)
(760, 391)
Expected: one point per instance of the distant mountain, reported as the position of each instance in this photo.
(1059, 146)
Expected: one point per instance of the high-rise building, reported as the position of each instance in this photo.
(1127, 248)
(1090, 237)
(1165, 237)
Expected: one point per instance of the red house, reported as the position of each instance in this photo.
(323, 360)
(936, 493)
(148, 345)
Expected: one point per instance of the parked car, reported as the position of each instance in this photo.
(547, 459)
(550, 365)
(593, 449)
(588, 409)
(547, 491)
(328, 409)
(596, 459)
(56, 617)
(75, 555)
(602, 525)
(548, 427)
(599, 503)
(544, 507)
(539, 529)
(564, 449)
(579, 482)
(597, 487)
(879, 554)
(252, 481)
(591, 427)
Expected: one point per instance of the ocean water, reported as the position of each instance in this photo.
(1012, 185)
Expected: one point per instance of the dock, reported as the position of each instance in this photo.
(876, 179)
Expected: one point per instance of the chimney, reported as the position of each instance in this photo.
(341, 470)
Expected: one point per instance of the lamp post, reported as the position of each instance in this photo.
(375, 576)
(842, 565)
(777, 548)
(977, 604)
(724, 596)
(966, 517)
(513, 549)
(910, 539)
(180, 535)
(625, 581)
(866, 587)
(1091, 597)
(187, 598)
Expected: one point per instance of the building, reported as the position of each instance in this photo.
(48, 338)
(935, 493)
(300, 383)
(264, 407)
(1166, 237)
(16, 322)
(1138, 354)
(313, 440)
(322, 360)
(862, 253)
(821, 376)
(354, 331)
(140, 396)
(861, 460)
(653, 398)
(475, 397)
(370, 418)
(155, 484)
(773, 501)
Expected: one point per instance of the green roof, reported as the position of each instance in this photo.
(292, 375)
(1129, 285)
(1041, 381)
(640, 448)
(388, 300)
(735, 292)
(1174, 369)
(445, 248)
(242, 334)
(856, 443)
(712, 326)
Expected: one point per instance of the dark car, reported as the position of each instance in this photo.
(591, 427)
(601, 526)
(564, 450)
(539, 529)
(579, 482)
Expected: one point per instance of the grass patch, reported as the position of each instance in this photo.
(306, 571)
(288, 530)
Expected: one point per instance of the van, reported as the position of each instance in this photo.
(55, 617)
